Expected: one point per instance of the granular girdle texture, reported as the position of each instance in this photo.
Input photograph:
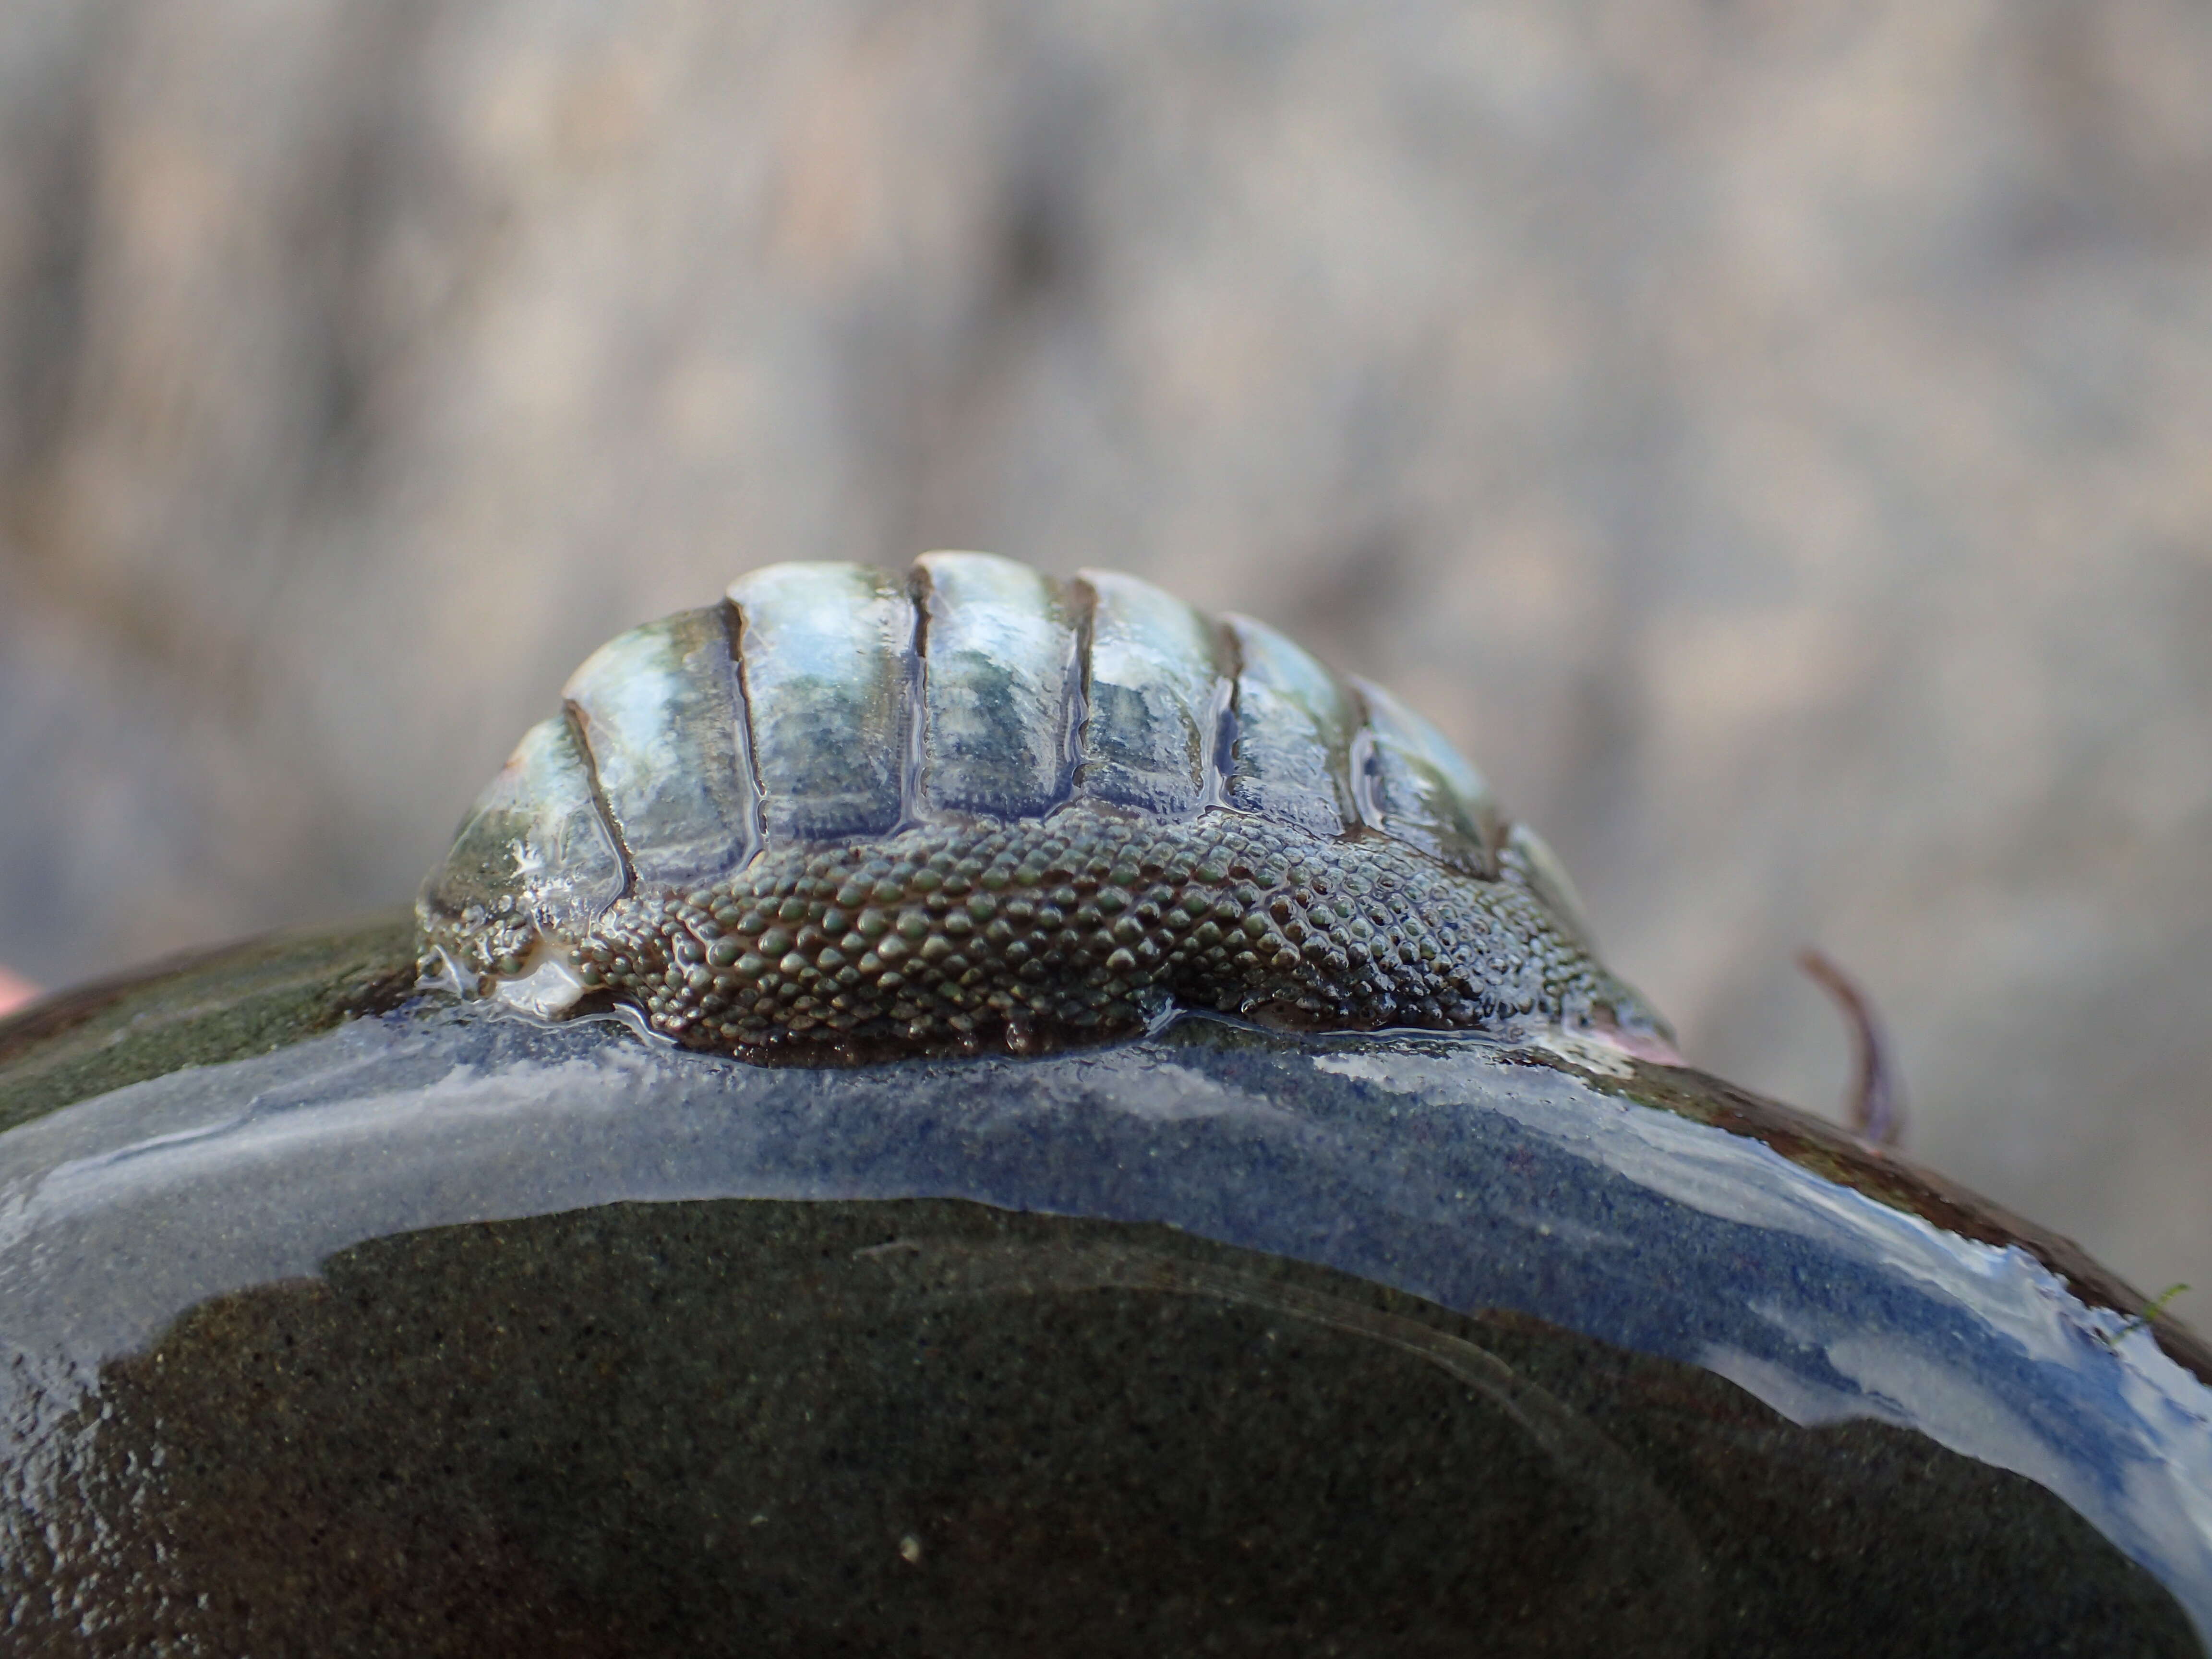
(1084, 926)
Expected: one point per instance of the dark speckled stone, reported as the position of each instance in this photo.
(335, 1322)
(932, 1427)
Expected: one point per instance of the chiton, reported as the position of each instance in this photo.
(848, 814)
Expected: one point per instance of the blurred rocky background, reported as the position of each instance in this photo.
(1775, 439)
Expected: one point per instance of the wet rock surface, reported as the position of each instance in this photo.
(918, 1427)
(419, 1328)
